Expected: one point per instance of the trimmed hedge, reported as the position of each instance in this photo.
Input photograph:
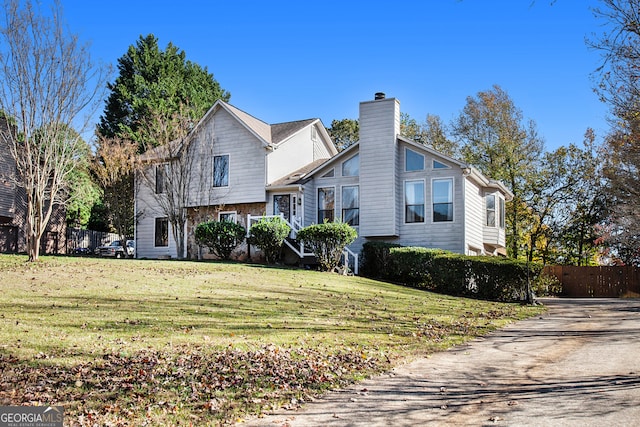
(490, 278)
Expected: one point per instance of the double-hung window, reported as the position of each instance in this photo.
(414, 201)
(351, 205)
(160, 177)
(221, 171)
(501, 206)
(442, 194)
(490, 204)
(162, 232)
(326, 204)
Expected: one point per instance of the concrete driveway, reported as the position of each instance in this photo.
(577, 365)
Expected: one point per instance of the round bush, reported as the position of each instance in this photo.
(327, 241)
(268, 234)
(221, 237)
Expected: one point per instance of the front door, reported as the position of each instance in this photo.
(282, 205)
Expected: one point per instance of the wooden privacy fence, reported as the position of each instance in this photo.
(597, 282)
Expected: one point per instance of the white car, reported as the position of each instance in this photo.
(116, 250)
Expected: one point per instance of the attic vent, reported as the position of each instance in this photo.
(379, 95)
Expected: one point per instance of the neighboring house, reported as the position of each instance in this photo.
(13, 209)
(386, 186)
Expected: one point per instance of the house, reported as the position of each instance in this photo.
(236, 158)
(13, 208)
(388, 187)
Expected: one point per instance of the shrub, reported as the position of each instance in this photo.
(490, 278)
(268, 234)
(413, 264)
(221, 237)
(547, 285)
(327, 241)
(376, 259)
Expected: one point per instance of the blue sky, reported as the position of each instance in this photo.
(286, 60)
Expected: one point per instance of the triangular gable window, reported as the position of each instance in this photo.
(329, 174)
(439, 165)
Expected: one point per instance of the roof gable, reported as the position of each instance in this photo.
(257, 126)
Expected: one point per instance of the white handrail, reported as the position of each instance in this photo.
(346, 254)
(296, 225)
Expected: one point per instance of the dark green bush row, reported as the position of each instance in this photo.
(490, 278)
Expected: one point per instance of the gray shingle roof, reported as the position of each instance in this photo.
(280, 131)
(298, 177)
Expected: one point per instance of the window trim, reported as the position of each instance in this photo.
(406, 151)
(487, 210)
(326, 174)
(333, 187)
(158, 220)
(439, 168)
(453, 196)
(347, 160)
(160, 183)
(234, 213)
(342, 208)
(424, 201)
(273, 203)
(213, 171)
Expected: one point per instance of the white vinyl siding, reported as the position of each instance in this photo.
(473, 216)
(380, 188)
(148, 210)
(223, 135)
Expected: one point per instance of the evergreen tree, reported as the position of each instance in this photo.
(154, 82)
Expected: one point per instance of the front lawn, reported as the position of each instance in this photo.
(132, 342)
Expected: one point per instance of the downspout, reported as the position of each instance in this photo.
(466, 171)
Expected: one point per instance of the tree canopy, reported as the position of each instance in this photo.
(154, 82)
(495, 138)
(619, 86)
(344, 133)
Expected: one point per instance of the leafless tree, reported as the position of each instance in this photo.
(175, 171)
(113, 167)
(48, 85)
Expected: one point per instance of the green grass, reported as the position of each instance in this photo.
(85, 323)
